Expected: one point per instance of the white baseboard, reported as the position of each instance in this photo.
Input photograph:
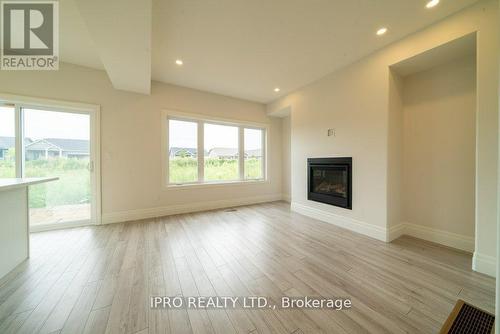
(341, 221)
(445, 238)
(131, 215)
(441, 237)
(485, 264)
(395, 232)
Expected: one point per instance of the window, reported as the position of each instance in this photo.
(51, 139)
(210, 151)
(221, 145)
(183, 151)
(253, 153)
(7, 142)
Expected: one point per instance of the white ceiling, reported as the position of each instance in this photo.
(245, 48)
(75, 44)
(124, 44)
(462, 47)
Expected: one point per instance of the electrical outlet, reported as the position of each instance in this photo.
(331, 132)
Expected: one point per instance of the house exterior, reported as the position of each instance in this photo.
(5, 144)
(216, 152)
(48, 148)
(223, 153)
(232, 153)
(181, 152)
(257, 153)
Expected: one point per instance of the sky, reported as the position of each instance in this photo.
(7, 127)
(184, 134)
(46, 124)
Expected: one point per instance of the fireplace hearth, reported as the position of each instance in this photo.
(329, 180)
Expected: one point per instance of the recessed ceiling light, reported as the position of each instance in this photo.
(179, 62)
(381, 31)
(277, 89)
(432, 3)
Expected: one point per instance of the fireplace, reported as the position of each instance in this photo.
(329, 180)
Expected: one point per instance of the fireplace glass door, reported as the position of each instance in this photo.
(330, 181)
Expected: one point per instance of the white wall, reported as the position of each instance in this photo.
(439, 110)
(286, 158)
(497, 304)
(348, 102)
(356, 101)
(131, 139)
(395, 156)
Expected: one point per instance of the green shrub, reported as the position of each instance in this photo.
(186, 169)
(73, 186)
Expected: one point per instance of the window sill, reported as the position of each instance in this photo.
(214, 184)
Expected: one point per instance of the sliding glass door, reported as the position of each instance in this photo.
(40, 140)
(57, 144)
(7, 141)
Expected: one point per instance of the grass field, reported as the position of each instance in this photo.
(73, 186)
(186, 169)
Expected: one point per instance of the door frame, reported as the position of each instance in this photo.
(94, 111)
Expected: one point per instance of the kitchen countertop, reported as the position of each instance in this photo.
(8, 184)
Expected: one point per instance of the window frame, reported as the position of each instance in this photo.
(264, 152)
(201, 120)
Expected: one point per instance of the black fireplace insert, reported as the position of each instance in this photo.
(329, 180)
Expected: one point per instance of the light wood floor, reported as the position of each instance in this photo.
(99, 279)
